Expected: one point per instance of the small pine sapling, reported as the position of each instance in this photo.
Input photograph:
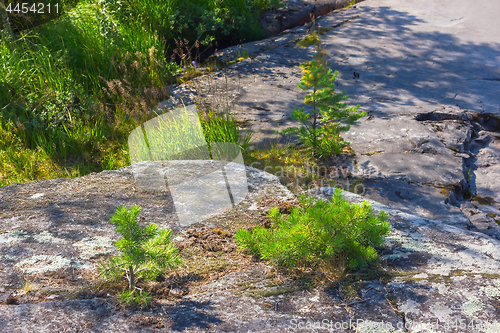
(145, 253)
(321, 127)
(335, 233)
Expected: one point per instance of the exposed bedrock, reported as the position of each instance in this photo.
(298, 12)
(428, 76)
(433, 272)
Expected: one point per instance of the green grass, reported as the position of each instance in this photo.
(73, 86)
(188, 134)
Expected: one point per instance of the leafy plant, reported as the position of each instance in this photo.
(199, 21)
(329, 116)
(145, 253)
(333, 232)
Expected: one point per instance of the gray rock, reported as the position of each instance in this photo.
(422, 93)
(435, 269)
(398, 60)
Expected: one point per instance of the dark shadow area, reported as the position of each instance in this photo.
(410, 291)
(416, 66)
(191, 314)
(407, 196)
(411, 261)
(396, 66)
(72, 316)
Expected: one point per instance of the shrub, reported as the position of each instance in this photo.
(199, 20)
(334, 232)
(321, 128)
(145, 254)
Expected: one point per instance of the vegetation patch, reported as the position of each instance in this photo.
(323, 30)
(308, 41)
(273, 292)
(145, 254)
(446, 190)
(323, 232)
(321, 127)
(73, 85)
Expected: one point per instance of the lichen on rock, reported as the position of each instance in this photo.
(92, 247)
(45, 263)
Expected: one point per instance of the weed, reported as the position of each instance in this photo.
(242, 55)
(220, 127)
(28, 286)
(308, 41)
(129, 298)
(469, 174)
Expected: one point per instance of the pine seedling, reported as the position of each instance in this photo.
(330, 115)
(336, 233)
(145, 252)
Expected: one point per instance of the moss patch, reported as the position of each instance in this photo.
(322, 30)
(273, 292)
(446, 190)
(483, 200)
(308, 41)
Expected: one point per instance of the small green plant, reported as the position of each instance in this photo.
(172, 131)
(129, 297)
(220, 126)
(469, 174)
(28, 286)
(336, 233)
(145, 254)
(321, 128)
(311, 40)
(242, 55)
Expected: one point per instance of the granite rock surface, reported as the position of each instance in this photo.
(428, 75)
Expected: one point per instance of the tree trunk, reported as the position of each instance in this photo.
(314, 123)
(131, 281)
(5, 27)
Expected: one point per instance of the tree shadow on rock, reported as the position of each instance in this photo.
(187, 313)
